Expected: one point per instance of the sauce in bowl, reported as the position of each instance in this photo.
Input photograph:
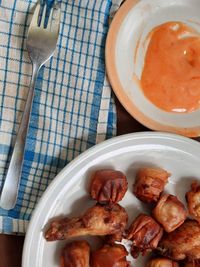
(171, 73)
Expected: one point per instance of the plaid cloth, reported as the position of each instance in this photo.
(72, 108)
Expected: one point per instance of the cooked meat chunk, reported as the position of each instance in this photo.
(149, 184)
(162, 262)
(110, 256)
(76, 254)
(108, 186)
(192, 264)
(169, 212)
(98, 220)
(183, 243)
(145, 233)
(193, 201)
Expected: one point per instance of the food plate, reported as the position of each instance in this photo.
(125, 53)
(68, 193)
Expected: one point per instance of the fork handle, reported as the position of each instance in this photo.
(11, 185)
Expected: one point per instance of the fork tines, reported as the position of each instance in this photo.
(41, 19)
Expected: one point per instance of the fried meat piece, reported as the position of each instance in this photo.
(110, 256)
(108, 186)
(169, 212)
(192, 264)
(145, 233)
(76, 254)
(149, 184)
(183, 243)
(162, 262)
(193, 201)
(99, 220)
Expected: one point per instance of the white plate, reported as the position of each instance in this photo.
(68, 193)
(125, 53)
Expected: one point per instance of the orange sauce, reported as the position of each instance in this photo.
(171, 73)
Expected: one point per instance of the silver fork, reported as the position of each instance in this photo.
(41, 43)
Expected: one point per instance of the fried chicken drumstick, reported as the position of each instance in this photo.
(110, 256)
(76, 254)
(145, 233)
(108, 186)
(183, 243)
(162, 262)
(150, 183)
(98, 220)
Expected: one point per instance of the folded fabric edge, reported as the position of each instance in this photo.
(13, 226)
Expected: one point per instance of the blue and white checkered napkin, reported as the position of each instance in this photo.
(72, 109)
